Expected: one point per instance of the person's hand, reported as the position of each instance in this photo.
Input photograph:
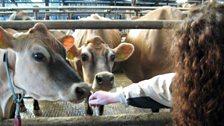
(103, 98)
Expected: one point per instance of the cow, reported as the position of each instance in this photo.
(94, 52)
(38, 66)
(20, 15)
(153, 47)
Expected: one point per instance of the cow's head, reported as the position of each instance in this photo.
(39, 66)
(96, 60)
(20, 15)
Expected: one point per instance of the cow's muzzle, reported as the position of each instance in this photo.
(79, 92)
(103, 81)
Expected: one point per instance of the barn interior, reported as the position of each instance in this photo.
(65, 11)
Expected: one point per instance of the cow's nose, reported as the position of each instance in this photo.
(82, 90)
(104, 78)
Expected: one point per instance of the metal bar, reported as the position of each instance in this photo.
(146, 3)
(148, 119)
(76, 12)
(71, 24)
(98, 2)
(82, 7)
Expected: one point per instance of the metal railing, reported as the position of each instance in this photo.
(82, 7)
(79, 10)
(77, 24)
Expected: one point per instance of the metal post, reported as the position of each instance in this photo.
(35, 13)
(63, 3)
(133, 3)
(69, 16)
(136, 13)
(46, 15)
(3, 3)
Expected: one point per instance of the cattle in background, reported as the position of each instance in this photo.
(94, 53)
(20, 15)
(152, 55)
(38, 67)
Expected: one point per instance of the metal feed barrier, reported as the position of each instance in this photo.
(82, 7)
(71, 10)
(151, 119)
(74, 24)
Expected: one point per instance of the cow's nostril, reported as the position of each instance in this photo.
(99, 79)
(112, 79)
(80, 90)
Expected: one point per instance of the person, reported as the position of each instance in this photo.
(198, 85)
(153, 93)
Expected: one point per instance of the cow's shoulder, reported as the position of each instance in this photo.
(20, 15)
(111, 37)
(95, 17)
(163, 13)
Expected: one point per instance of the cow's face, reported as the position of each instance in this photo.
(97, 59)
(40, 67)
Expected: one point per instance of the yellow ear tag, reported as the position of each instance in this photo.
(70, 55)
(121, 56)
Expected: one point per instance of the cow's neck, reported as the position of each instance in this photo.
(6, 100)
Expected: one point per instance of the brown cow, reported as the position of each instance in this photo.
(95, 52)
(38, 67)
(152, 54)
(20, 15)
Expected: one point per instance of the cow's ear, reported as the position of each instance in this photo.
(71, 49)
(6, 39)
(39, 27)
(67, 41)
(123, 51)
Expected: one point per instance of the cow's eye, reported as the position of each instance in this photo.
(38, 57)
(112, 57)
(84, 57)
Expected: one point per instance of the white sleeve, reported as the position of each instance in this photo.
(156, 88)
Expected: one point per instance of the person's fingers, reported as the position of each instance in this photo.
(94, 102)
(93, 96)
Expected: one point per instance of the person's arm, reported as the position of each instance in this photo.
(154, 92)
(151, 93)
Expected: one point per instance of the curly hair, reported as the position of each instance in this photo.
(198, 87)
